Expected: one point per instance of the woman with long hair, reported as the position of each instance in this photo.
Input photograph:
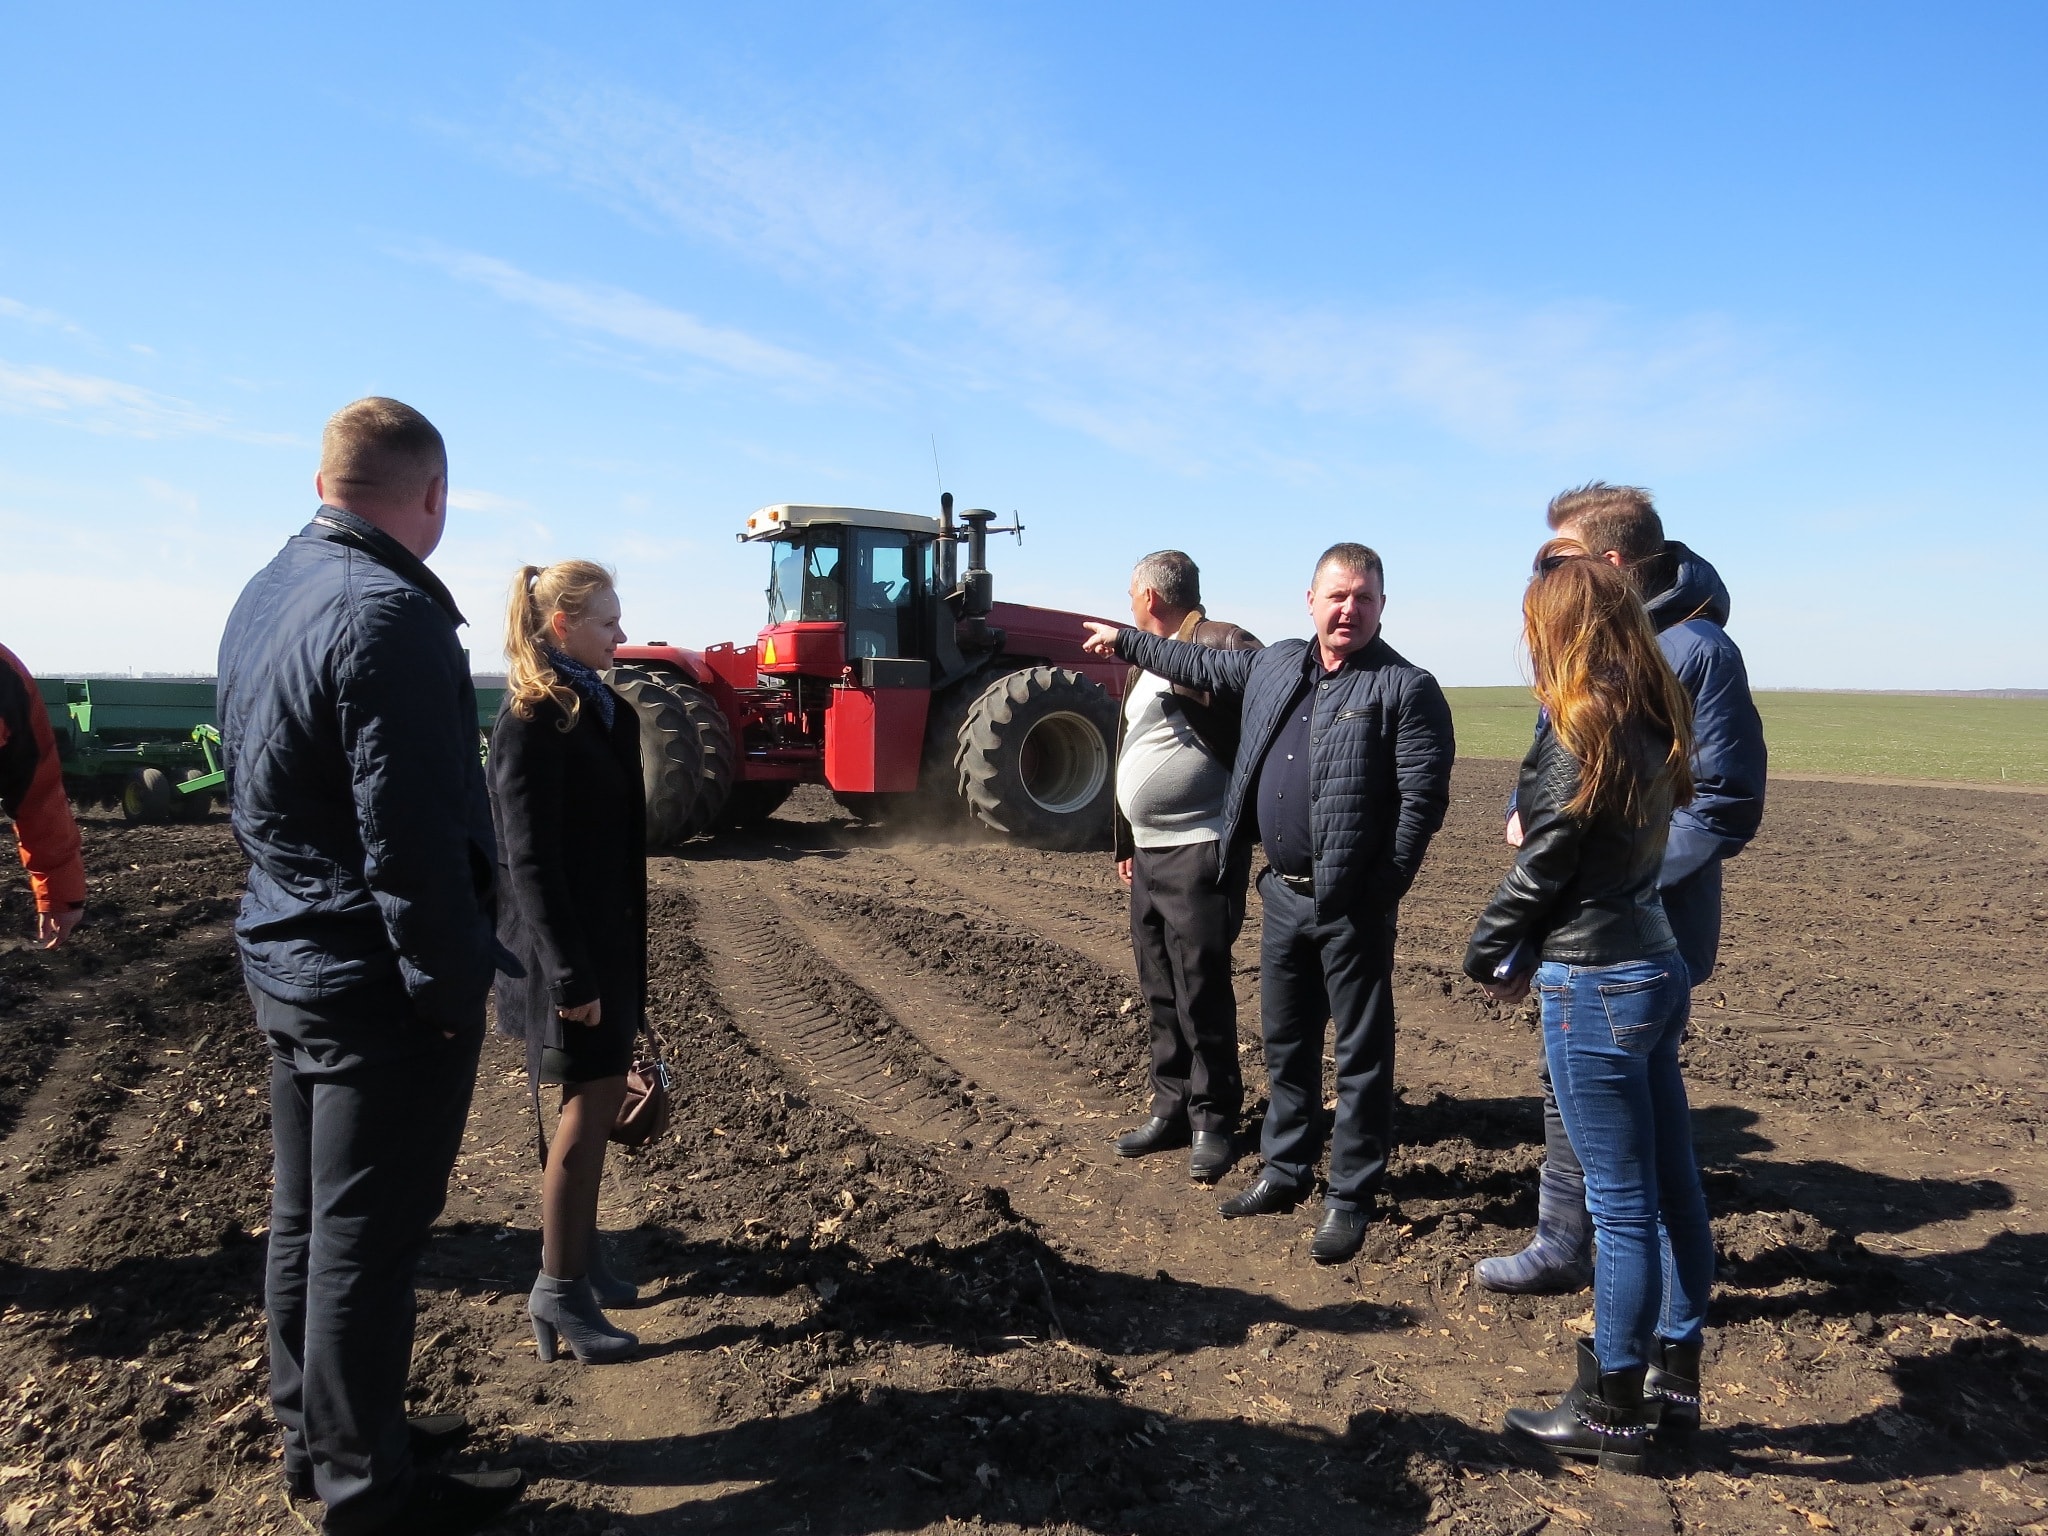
(1579, 915)
(571, 814)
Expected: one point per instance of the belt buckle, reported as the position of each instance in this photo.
(1301, 885)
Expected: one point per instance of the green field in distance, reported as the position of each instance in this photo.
(1884, 735)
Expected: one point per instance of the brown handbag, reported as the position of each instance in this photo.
(644, 1115)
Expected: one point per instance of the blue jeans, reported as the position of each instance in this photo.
(1610, 1035)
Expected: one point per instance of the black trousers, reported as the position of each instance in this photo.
(1182, 927)
(367, 1107)
(1314, 973)
(1694, 908)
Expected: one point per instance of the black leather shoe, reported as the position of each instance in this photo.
(430, 1434)
(1155, 1135)
(1338, 1235)
(1211, 1157)
(1265, 1197)
(435, 1434)
(454, 1503)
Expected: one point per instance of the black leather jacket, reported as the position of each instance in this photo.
(1581, 892)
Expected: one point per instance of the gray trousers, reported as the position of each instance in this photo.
(1694, 907)
(367, 1106)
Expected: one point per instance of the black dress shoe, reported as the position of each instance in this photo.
(1211, 1157)
(1265, 1197)
(454, 1503)
(1155, 1135)
(435, 1434)
(1338, 1235)
(430, 1434)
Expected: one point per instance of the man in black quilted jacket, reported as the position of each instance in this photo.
(1344, 768)
(349, 725)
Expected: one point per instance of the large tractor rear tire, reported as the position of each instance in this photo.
(1035, 757)
(686, 753)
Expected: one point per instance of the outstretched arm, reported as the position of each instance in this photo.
(1178, 661)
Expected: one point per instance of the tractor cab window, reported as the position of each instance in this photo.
(806, 581)
(890, 573)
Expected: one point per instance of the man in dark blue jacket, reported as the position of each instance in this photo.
(349, 726)
(1689, 606)
(1344, 768)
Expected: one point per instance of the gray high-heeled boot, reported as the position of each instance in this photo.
(609, 1289)
(565, 1312)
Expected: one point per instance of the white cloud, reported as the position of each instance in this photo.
(629, 317)
(463, 499)
(29, 314)
(1111, 338)
(101, 405)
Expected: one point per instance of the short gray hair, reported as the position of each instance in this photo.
(1172, 576)
(1355, 558)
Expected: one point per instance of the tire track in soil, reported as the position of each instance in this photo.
(1023, 907)
(1046, 1137)
(747, 938)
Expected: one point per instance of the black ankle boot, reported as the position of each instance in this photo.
(1671, 1389)
(1601, 1419)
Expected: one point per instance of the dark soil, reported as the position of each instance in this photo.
(895, 1280)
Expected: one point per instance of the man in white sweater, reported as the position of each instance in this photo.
(1174, 751)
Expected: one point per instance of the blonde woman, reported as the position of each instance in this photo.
(567, 797)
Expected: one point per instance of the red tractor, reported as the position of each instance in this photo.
(889, 675)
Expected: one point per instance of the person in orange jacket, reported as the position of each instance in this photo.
(32, 793)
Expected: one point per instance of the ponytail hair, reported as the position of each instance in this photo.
(538, 594)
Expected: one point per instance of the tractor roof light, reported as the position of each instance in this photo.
(787, 518)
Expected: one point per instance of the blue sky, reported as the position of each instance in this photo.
(1187, 276)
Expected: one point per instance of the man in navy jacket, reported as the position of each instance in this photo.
(1689, 607)
(349, 727)
(1344, 769)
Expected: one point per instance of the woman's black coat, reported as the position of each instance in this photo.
(571, 817)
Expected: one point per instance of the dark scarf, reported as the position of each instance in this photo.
(586, 681)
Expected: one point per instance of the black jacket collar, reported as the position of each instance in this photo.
(341, 527)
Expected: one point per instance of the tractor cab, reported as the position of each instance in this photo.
(847, 585)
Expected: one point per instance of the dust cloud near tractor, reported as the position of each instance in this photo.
(886, 671)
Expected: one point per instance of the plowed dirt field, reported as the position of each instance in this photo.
(897, 1280)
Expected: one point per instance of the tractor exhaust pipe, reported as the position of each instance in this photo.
(977, 586)
(949, 552)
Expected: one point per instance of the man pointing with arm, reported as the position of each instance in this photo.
(1344, 770)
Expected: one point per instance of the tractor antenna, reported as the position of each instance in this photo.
(936, 475)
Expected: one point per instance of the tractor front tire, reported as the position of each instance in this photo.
(1035, 757)
(148, 795)
(671, 755)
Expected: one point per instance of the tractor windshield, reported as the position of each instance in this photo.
(804, 582)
